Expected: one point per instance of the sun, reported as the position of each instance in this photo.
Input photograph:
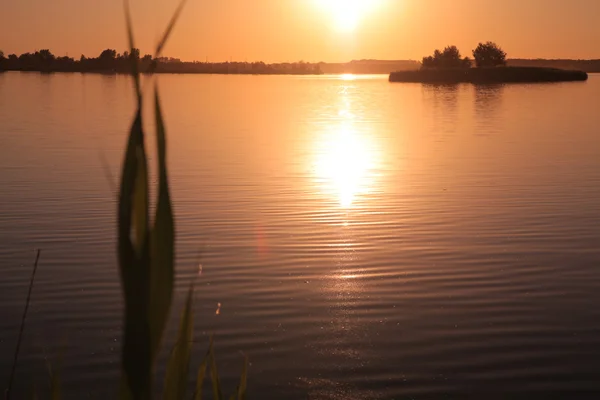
(347, 14)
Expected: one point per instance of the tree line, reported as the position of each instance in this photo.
(109, 61)
(487, 54)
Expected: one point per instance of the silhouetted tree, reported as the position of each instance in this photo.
(106, 61)
(489, 55)
(146, 62)
(108, 54)
(449, 58)
(26, 62)
(45, 55)
(135, 53)
(11, 62)
(43, 60)
(65, 64)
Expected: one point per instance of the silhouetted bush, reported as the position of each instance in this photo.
(449, 58)
(489, 55)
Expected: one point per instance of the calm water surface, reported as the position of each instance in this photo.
(364, 240)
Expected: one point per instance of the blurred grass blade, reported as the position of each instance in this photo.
(201, 376)
(133, 210)
(134, 265)
(127, 259)
(214, 374)
(22, 327)
(55, 388)
(167, 33)
(133, 195)
(162, 242)
(134, 66)
(124, 389)
(177, 369)
(241, 391)
(140, 199)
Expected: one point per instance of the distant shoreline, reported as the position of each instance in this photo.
(189, 68)
(111, 62)
(488, 75)
(112, 73)
(393, 76)
(116, 63)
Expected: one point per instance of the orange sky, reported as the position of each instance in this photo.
(292, 30)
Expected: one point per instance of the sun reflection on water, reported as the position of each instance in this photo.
(346, 157)
(347, 77)
(344, 164)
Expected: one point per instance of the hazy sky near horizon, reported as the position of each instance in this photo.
(311, 30)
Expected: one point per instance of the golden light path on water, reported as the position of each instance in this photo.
(348, 160)
(346, 154)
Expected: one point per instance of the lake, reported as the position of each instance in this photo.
(356, 239)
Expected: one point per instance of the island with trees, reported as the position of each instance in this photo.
(448, 66)
(109, 61)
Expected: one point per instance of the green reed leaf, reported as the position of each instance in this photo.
(179, 363)
(140, 200)
(162, 243)
(129, 174)
(134, 265)
(133, 208)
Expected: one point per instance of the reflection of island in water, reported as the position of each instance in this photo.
(487, 105)
(444, 101)
(445, 104)
(443, 97)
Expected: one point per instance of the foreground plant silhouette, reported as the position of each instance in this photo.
(146, 253)
(146, 263)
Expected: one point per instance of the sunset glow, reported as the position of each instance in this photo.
(356, 199)
(347, 14)
(309, 30)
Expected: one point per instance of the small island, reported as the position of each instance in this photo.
(448, 66)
